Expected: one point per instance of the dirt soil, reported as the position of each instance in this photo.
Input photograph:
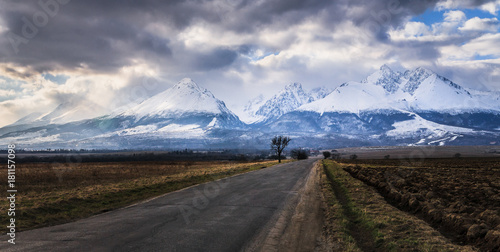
(461, 197)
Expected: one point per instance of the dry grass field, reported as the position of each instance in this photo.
(54, 193)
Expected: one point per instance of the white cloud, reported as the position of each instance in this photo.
(484, 45)
(492, 7)
(452, 20)
(440, 31)
(103, 92)
(454, 26)
(454, 16)
(481, 25)
(7, 93)
(411, 30)
(453, 4)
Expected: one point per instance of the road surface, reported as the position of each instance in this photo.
(246, 212)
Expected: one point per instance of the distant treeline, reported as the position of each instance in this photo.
(181, 155)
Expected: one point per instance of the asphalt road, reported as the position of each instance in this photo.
(231, 214)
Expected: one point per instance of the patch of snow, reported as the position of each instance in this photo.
(410, 127)
(179, 127)
(212, 123)
(31, 138)
(137, 130)
(350, 97)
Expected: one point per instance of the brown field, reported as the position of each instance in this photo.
(358, 218)
(417, 153)
(460, 197)
(54, 193)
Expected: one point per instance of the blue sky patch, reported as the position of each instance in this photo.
(484, 57)
(430, 17)
(59, 79)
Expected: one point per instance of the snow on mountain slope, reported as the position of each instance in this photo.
(320, 93)
(386, 78)
(66, 112)
(351, 97)
(290, 98)
(419, 124)
(184, 97)
(436, 94)
(70, 112)
(388, 107)
(417, 90)
(247, 113)
(30, 118)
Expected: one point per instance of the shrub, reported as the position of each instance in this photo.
(299, 154)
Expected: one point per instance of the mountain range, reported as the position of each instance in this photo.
(414, 107)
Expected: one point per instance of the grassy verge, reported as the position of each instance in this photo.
(335, 229)
(356, 226)
(364, 218)
(52, 194)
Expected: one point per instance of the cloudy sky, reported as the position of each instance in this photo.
(106, 54)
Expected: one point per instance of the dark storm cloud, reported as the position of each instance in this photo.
(106, 35)
(216, 59)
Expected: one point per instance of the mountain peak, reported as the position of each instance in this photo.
(187, 83)
(386, 78)
(422, 71)
(293, 86)
(184, 97)
(290, 98)
(385, 68)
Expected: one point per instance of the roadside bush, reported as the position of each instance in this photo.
(299, 154)
(327, 154)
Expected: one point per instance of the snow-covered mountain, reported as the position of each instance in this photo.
(69, 111)
(184, 111)
(183, 98)
(386, 108)
(416, 91)
(290, 98)
(248, 114)
(320, 93)
(395, 106)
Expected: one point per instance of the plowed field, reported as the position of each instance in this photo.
(460, 197)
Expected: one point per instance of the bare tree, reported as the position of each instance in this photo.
(278, 144)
